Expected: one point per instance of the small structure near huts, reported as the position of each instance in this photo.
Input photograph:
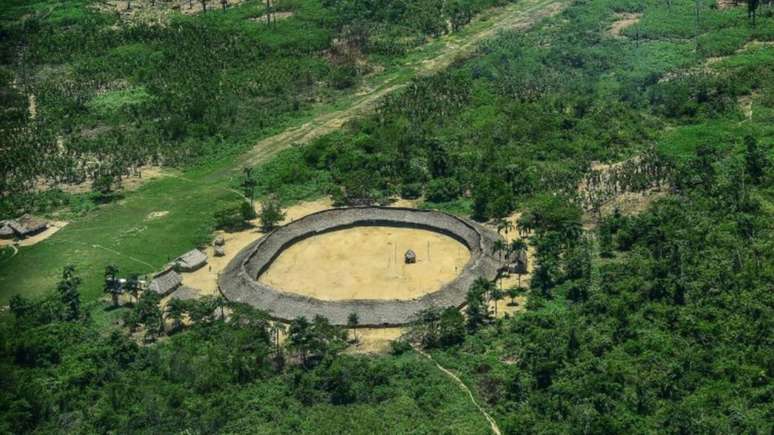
(22, 227)
(219, 241)
(519, 263)
(184, 293)
(191, 260)
(219, 251)
(410, 257)
(6, 232)
(165, 282)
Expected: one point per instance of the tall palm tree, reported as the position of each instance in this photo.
(111, 283)
(498, 248)
(175, 311)
(133, 286)
(496, 295)
(352, 322)
(518, 247)
(504, 225)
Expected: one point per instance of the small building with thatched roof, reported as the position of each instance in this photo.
(191, 260)
(22, 227)
(165, 282)
(219, 241)
(6, 232)
(519, 263)
(410, 257)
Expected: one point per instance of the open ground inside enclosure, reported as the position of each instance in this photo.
(368, 263)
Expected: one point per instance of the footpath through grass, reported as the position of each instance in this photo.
(122, 233)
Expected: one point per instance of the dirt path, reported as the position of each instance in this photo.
(463, 387)
(453, 46)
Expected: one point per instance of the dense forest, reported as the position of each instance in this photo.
(657, 320)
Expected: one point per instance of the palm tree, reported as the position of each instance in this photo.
(352, 322)
(496, 295)
(133, 285)
(111, 283)
(277, 328)
(504, 225)
(249, 184)
(518, 247)
(220, 302)
(498, 248)
(512, 293)
(175, 311)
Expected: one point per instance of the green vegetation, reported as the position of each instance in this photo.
(654, 320)
(114, 94)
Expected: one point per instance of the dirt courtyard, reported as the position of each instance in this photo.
(368, 263)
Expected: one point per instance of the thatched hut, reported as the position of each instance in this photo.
(519, 263)
(165, 282)
(410, 257)
(22, 227)
(191, 260)
(219, 241)
(6, 232)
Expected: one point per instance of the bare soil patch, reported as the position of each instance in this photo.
(368, 263)
(622, 23)
(374, 340)
(156, 215)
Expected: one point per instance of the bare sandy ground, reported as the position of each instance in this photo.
(368, 263)
(374, 340)
(53, 226)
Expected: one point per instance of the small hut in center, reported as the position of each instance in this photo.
(22, 227)
(165, 281)
(410, 257)
(519, 263)
(191, 260)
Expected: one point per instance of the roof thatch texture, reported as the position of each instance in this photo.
(27, 224)
(185, 293)
(519, 263)
(164, 282)
(6, 231)
(191, 260)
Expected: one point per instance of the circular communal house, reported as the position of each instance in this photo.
(239, 281)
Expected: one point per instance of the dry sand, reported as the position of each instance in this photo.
(367, 263)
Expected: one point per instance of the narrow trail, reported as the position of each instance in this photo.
(453, 47)
(463, 387)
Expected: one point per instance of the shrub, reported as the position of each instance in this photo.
(443, 189)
